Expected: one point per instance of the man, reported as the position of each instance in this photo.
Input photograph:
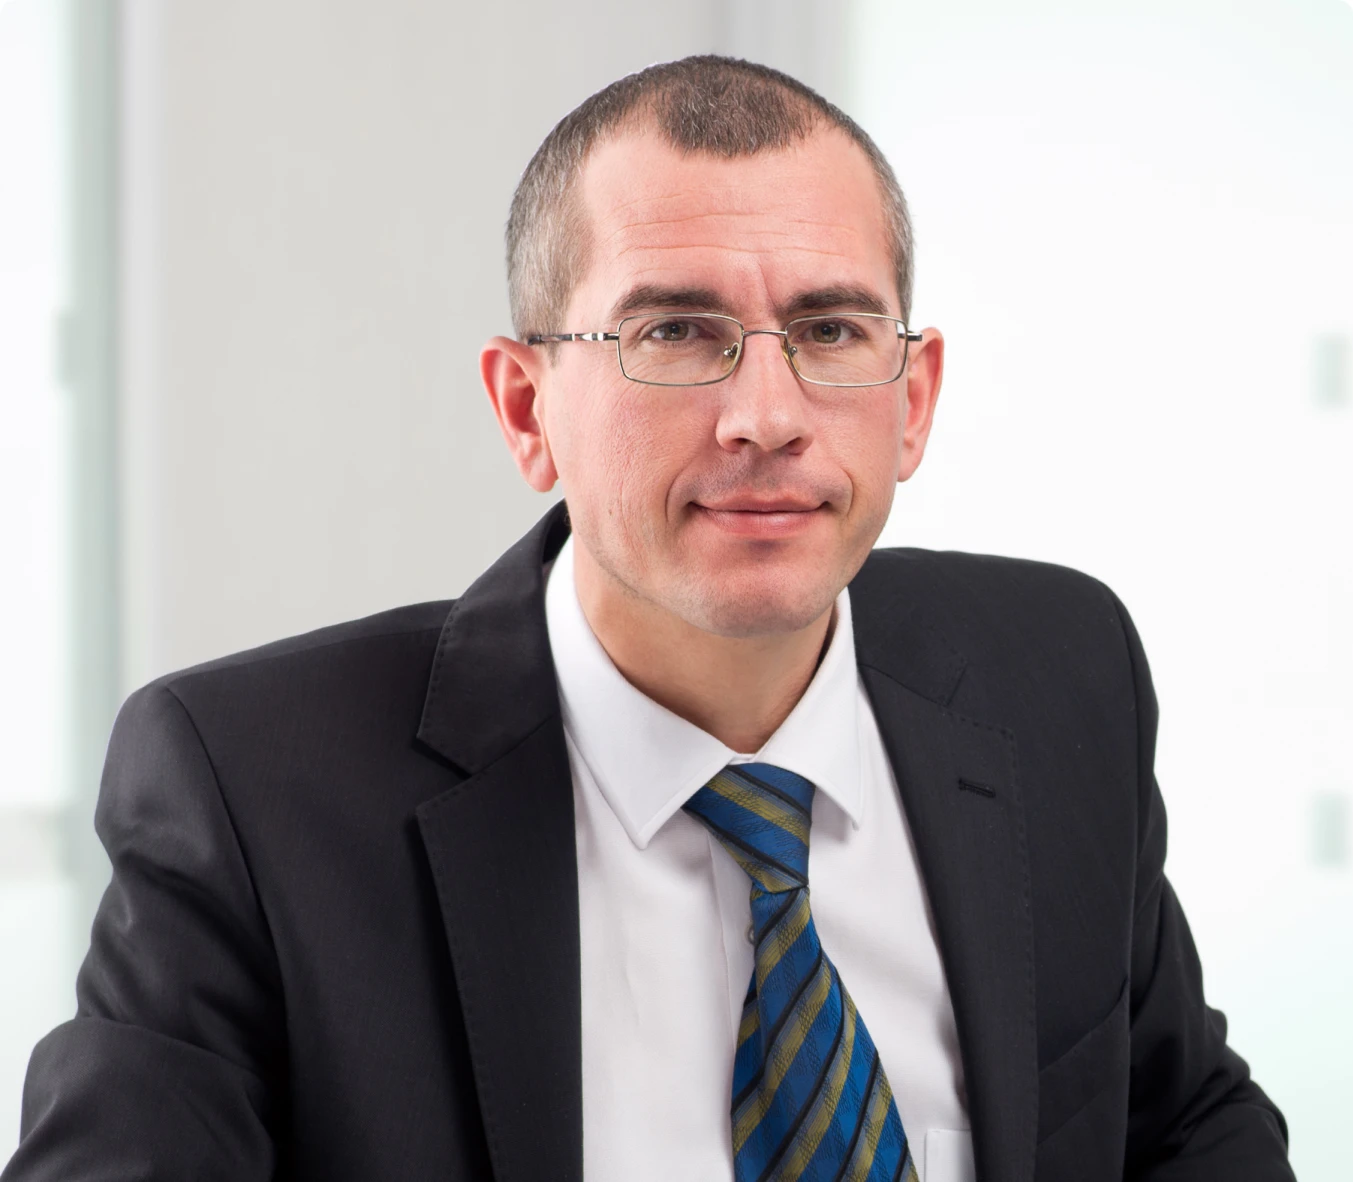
(519, 887)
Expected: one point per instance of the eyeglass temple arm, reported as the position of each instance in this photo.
(548, 338)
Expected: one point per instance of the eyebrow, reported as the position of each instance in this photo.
(650, 297)
(828, 299)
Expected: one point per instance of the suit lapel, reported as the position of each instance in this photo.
(957, 779)
(501, 848)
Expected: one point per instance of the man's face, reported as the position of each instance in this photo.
(742, 507)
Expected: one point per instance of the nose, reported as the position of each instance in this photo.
(763, 402)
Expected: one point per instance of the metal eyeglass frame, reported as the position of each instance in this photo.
(906, 335)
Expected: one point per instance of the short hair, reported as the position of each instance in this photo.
(719, 105)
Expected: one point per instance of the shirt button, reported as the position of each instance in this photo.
(751, 933)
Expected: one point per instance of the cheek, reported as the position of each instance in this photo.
(621, 450)
(865, 440)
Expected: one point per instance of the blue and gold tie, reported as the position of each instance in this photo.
(810, 1098)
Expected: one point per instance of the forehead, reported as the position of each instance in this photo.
(755, 229)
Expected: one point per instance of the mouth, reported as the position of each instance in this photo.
(757, 518)
(762, 505)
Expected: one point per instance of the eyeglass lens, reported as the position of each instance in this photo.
(691, 349)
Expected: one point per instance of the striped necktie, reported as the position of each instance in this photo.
(810, 1097)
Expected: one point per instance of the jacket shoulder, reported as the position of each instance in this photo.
(1002, 614)
(958, 590)
(955, 569)
(389, 628)
(362, 660)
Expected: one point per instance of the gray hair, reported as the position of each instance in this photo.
(719, 105)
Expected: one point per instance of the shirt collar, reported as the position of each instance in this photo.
(648, 762)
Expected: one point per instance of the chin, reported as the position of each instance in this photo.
(747, 608)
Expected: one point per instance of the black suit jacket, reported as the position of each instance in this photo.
(341, 939)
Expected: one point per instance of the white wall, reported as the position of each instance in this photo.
(36, 960)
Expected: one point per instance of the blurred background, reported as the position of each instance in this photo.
(249, 251)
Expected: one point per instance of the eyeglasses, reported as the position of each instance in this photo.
(701, 348)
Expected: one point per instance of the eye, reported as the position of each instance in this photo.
(829, 332)
(672, 331)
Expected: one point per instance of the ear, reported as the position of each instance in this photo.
(925, 368)
(512, 374)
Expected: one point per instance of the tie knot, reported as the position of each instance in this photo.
(761, 815)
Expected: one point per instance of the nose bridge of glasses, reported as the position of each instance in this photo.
(737, 349)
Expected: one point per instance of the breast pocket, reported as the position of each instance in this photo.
(1072, 1082)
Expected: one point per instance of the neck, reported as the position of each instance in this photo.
(738, 689)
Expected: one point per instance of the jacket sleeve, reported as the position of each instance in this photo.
(170, 1068)
(1194, 1112)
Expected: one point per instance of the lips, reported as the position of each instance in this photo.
(758, 505)
(756, 518)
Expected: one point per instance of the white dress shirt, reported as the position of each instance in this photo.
(664, 914)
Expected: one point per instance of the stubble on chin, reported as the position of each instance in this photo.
(659, 571)
(747, 608)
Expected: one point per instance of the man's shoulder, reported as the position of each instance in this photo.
(959, 578)
(990, 607)
(373, 651)
(317, 717)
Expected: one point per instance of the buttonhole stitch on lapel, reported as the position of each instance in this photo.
(974, 786)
